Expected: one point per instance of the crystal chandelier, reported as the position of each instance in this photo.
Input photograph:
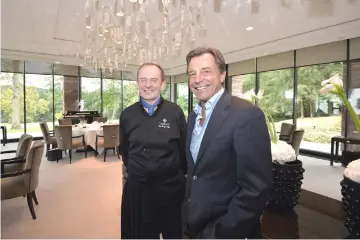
(119, 32)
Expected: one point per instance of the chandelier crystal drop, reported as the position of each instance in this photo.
(122, 32)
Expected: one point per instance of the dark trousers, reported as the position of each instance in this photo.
(152, 207)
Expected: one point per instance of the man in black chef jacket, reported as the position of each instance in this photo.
(153, 136)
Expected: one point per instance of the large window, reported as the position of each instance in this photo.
(59, 97)
(194, 101)
(131, 93)
(242, 83)
(39, 103)
(166, 92)
(277, 99)
(90, 94)
(90, 89)
(38, 96)
(12, 102)
(354, 97)
(50, 90)
(319, 115)
(112, 97)
(182, 96)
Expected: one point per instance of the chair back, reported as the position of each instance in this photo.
(111, 135)
(45, 131)
(286, 132)
(100, 119)
(33, 161)
(296, 140)
(24, 145)
(65, 121)
(63, 135)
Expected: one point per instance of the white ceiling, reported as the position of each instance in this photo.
(46, 30)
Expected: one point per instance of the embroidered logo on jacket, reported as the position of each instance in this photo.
(164, 124)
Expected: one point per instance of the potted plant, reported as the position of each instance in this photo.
(334, 85)
(350, 190)
(287, 169)
(350, 185)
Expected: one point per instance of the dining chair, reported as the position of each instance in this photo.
(24, 182)
(66, 141)
(17, 162)
(109, 140)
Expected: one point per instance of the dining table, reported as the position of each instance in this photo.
(89, 131)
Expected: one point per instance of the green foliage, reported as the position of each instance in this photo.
(131, 93)
(249, 82)
(276, 83)
(309, 83)
(38, 103)
(166, 93)
(182, 97)
(111, 99)
(183, 104)
(90, 94)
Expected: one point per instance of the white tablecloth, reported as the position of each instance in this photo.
(89, 131)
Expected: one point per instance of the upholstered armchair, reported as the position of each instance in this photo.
(49, 137)
(66, 141)
(109, 140)
(296, 140)
(100, 119)
(65, 121)
(17, 163)
(24, 182)
(286, 132)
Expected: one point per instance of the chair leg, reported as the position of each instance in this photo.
(34, 197)
(31, 206)
(96, 153)
(47, 149)
(70, 155)
(105, 154)
(118, 151)
(85, 151)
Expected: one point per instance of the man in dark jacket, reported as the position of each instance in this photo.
(152, 143)
(229, 155)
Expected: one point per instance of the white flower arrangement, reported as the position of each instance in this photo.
(352, 171)
(281, 151)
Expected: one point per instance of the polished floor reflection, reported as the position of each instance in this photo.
(301, 223)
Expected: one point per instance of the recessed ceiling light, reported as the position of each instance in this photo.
(249, 28)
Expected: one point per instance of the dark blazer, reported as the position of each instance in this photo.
(228, 186)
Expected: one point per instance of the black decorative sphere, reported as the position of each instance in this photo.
(287, 181)
(350, 191)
